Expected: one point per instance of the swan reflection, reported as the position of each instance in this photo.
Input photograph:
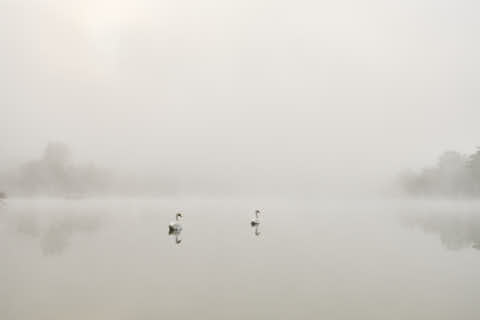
(255, 223)
(177, 234)
(256, 230)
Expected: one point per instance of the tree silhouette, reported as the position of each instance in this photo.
(454, 174)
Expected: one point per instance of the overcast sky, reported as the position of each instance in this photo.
(247, 88)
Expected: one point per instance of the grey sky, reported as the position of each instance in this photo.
(249, 87)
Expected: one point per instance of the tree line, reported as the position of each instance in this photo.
(454, 174)
(55, 174)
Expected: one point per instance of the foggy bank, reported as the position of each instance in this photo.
(56, 174)
(454, 175)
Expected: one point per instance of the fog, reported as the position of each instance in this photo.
(241, 94)
(324, 157)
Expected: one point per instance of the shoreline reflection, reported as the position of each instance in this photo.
(456, 231)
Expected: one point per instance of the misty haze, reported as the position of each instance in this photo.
(239, 159)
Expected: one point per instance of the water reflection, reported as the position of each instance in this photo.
(3, 205)
(456, 231)
(256, 230)
(55, 236)
(177, 234)
(28, 225)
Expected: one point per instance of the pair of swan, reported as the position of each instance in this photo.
(175, 227)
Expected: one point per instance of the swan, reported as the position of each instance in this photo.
(175, 226)
(255, 221)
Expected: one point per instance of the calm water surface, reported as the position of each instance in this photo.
(309, 259)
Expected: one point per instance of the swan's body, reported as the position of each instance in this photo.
(175, 226)
(255, 221)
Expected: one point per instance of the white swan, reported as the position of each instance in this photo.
(175, 226)
(255, 221)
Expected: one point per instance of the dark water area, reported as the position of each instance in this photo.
(307, 259)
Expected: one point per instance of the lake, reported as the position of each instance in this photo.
(309, 259)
